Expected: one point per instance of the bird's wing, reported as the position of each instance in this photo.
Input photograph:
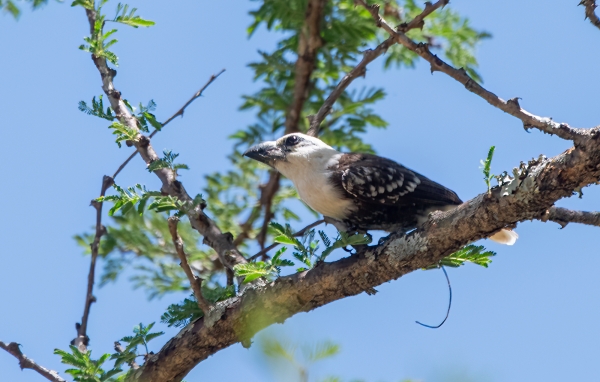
(379, 180)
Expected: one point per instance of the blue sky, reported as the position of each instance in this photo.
(531, 316)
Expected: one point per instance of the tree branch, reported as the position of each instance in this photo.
(221, 242)
(195, 281)
(28, 363)
(539, 185)
(82, 339)
(308, 46)
(165, 123)
(564, 216)
(360, 70)
(512, 107)
(590, 7)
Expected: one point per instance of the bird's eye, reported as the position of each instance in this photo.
(292, 140)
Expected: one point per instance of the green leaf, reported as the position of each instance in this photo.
(130, 18)
(87, 4)
(282, 239)
(475, 254)
(486, 168)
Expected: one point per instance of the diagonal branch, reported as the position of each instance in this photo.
(512, 107)
(360, 70)
(540, 184)
(590, 8)
(28, 363)
(179, 112)
(564, 216)
(221, 242)
(195, 281)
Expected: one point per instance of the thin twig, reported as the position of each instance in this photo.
(179, 112)
(266, 199)
(198, 94)
(82, 339)
(512, 107)
(297, 234)
(590, 7)
(28, 363)
(564, 216)
(360, 70)
(195, 281)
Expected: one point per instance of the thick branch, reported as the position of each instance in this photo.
(590, 8)
(28, 363)
(195, 281)
(221, 242)
(539, 185)
(360, 70)
(564, 216)
(512, 107)
(309, 43)
(82, 340)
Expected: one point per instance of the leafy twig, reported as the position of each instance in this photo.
(297, 234)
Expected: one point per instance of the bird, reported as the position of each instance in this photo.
(359, 192)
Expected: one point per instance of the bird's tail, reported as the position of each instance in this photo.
(505, 236)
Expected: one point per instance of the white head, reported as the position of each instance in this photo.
(293, 154)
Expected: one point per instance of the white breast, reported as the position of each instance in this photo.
(311, 178)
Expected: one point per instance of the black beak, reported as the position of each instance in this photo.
(266, 152)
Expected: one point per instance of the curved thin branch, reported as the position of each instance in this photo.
(512, 107)
(564, 216)
(195, 281)
(28, 363)
(179, 112)
(590, 8)
(360, 70)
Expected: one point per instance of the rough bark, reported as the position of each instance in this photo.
(536, 188)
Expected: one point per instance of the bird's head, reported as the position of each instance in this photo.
(292, 151)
